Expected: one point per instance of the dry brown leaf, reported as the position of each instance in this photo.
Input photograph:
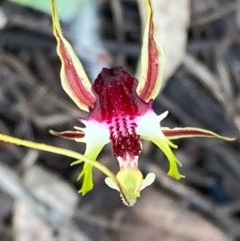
(48, 216)
(159, 217)
(52, 190)
(28, 226)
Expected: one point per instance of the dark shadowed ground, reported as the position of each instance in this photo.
(204, 92)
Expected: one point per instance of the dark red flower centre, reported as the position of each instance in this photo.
(115, 92)
(118, 104)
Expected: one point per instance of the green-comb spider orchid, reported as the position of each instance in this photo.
(120, 113)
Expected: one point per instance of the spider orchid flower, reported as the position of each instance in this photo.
(120, 113)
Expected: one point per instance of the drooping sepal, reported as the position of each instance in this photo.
(152, 60)
(73, 77)
(186, 132)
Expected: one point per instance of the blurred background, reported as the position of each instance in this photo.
(38, 191)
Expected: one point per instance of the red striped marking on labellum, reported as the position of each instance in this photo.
(117, 104)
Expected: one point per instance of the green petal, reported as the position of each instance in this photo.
(86, 173)
(148, 128)
(96, 136)
(163, 144)
(92, 151)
